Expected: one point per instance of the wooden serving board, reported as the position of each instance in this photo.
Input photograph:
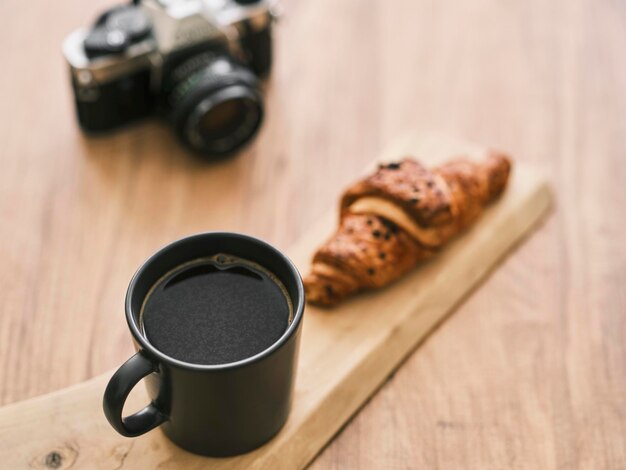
(346, 352)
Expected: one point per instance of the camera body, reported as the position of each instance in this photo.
(198, 63)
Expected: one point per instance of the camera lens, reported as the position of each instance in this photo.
(223, 121)
(224, 117)
(216, 104)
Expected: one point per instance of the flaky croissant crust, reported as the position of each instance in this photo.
(396, 217)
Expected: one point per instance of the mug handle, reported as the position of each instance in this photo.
(120, 385)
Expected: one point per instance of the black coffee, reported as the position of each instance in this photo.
(216, 310)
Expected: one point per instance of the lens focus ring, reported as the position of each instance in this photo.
(216, 106)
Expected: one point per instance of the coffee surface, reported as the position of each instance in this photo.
(215, 311)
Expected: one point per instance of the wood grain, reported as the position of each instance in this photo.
(532, 371)
(345, 354)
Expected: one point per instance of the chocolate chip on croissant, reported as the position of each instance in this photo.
(396, 217)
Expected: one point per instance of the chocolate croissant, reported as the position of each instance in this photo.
(398, 216)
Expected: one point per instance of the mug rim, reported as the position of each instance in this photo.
(276, 345)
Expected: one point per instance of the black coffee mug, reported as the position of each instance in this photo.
(216, 410)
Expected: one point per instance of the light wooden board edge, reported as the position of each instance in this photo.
(68, 427)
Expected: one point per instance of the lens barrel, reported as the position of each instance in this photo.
(215, 104)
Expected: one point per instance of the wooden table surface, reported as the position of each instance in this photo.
(531, 370)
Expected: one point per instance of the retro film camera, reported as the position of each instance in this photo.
(197, 63)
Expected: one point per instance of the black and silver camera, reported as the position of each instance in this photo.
(196, 62)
